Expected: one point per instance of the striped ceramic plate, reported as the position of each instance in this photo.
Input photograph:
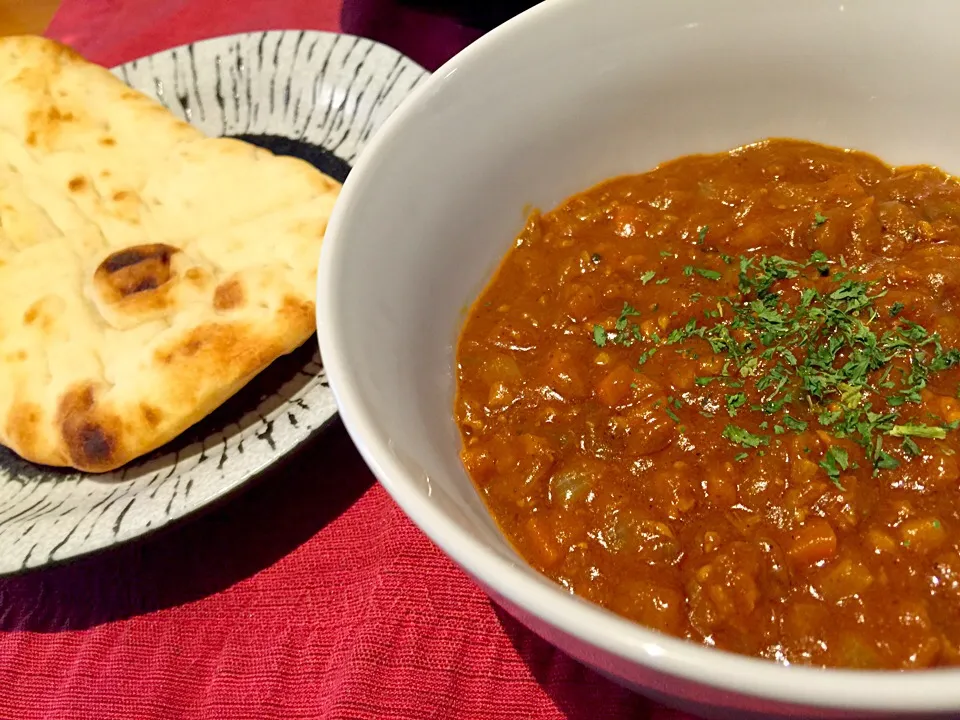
(316, 95)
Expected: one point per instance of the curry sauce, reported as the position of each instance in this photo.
(721, 399)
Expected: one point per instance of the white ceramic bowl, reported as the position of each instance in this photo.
(566, 95)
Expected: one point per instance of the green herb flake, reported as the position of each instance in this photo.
(672, 415)
(740, 456)
(740, 436)
(708, 274)
(662, 281)
(702, 234)
(896, 309)
(885, 461)
(646, 355)
(647, 276)
(918, 430)
(835, 461)
(599, 335)
(910, 447)
(735, 401)
(794, 424)
(819, 219)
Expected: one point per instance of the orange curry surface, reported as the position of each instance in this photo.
(720, 399)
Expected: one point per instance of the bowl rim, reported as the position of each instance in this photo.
(936, 689)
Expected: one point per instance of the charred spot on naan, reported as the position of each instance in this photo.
(133, 271)
(138, 284)
(229, 295)
(151, 415)
(90, 435)
(137, 255)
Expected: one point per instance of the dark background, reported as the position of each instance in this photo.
(479, 14)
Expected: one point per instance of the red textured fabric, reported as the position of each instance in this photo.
(111, 32)
(308, 595)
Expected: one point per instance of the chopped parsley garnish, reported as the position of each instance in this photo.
(647, 355)
(647, 276)
(796, 425)
(739, 436)
(835, 461)
(734, 401)
(702, 234)
(599, 336)
(627, 333)
(916, 430)
(819, 219)
(708, 274)
(662, 281)
(804, 342)
(910, 447)
(689, 270)
(885, 461)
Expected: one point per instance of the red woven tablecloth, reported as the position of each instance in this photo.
(307, 596)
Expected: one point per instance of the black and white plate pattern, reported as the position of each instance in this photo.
(316, 95)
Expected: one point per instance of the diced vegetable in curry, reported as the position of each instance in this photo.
(721, 399)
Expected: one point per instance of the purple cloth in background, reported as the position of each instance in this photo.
(424, 37)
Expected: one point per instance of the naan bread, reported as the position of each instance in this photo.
(147, 272)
